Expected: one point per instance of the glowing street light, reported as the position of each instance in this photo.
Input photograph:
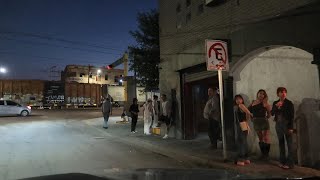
(3, 70)
(99, 71)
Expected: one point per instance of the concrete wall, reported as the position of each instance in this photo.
(251, 26)
(284, 66)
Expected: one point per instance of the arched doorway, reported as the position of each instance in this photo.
(270, 67)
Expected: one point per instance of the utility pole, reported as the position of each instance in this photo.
(125, 83)
(53, 73)
(89, 74)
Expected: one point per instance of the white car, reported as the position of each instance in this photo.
(8, 107)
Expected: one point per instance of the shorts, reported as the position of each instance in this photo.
(261, 124)
(165, 119)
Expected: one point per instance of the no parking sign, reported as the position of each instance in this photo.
(217, 55)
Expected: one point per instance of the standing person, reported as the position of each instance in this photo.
(147, 116)
(156, 109)
(134, 110)
(106, 111)
(261, 111)
(211, 113)
(283, 110)
(242, 116)
(166, 114)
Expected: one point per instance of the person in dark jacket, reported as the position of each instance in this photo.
(106, 111)
(134, 110)
(283, 110)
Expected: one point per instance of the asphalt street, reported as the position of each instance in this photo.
(54, 142)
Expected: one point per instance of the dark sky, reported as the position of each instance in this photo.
(38, 34)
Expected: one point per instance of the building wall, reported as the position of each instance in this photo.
(284, 66)
(249, 25)
(96, 78)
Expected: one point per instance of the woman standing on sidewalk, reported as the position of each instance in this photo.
(261, 113)
(283, 110)
(242, 116)
(147, 116)
(134, 110)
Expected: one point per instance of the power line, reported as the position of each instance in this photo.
(51, 58)
(53, 45)
(51, 38)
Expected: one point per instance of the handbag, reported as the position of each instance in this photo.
(244, 126)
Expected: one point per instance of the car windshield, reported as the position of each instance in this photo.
(160, 89)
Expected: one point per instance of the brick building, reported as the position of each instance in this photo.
(271, 43)
(91, 74)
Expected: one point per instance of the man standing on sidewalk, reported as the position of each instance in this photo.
(212, 114)
(106, 111)
(166, 114)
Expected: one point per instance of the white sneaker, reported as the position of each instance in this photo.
(165, 136)
(133, 132)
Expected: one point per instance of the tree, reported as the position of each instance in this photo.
(144, 56)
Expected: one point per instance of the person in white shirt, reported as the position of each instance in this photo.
(156, 109)
(148, 112)
(166, 114)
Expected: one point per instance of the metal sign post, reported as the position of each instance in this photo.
(217, 60)
(221, 111)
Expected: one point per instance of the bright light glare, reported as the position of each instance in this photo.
(121, 80)
(99, 71)
(3, 70)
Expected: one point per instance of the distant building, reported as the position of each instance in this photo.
(92, 75)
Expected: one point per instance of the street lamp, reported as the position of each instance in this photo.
(3, 70)
(99, 71)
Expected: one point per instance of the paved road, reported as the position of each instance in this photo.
(44, 144)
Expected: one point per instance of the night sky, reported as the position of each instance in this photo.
(36, 35)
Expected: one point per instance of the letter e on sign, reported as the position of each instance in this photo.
(217, 55)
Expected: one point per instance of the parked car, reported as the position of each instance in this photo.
(8, 107)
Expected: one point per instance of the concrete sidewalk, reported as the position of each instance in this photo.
(195, 153)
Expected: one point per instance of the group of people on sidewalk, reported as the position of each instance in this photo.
(259, 112)
(154, 114)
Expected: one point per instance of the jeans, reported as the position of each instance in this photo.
(282, 133)
(242, 144)
(106, 119)
(134, 123)
(214, 131)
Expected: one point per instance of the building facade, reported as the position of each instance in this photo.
(271, 43)
(92, 75)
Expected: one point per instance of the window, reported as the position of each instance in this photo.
(188, 18)
(11, 103)
(116, 79)
(82, 74)
(178, 9)
(32, 98)
(1, 102)
(106, 77)
(188, 3)
(200, 9)
(72, 74)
